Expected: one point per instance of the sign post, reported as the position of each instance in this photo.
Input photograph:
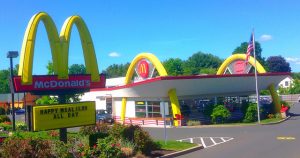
(62, 131)
(165, 128)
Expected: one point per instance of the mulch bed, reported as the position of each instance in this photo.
(161, 152)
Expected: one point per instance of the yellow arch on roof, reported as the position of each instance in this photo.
(59, 47)
(161, 71)
(234, 57)
(259, 68)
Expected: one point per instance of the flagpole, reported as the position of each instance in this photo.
(256, 85)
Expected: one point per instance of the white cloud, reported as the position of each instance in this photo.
(114, 54)
(293, 60)
(265, 37)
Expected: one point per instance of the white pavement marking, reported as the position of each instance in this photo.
(202, 142)
(210, 139)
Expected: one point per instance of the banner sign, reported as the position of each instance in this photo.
(52, 83)
(63, 116)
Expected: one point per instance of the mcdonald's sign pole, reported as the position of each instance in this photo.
(62, 131)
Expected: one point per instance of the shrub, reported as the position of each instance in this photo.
(5, 126)
(95, 136)
(21, 126)
(108, 148)
(4, 118)
(220, 114)
(143, 142)
(92, 129)
(193, 123)
(34, 148)
(251, 114)
(2, 111)
(127, 148)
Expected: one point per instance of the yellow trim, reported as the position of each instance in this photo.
(234, 57)
(59, 47)
(161, 71)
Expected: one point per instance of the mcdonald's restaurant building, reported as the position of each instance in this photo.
(147, 92)
(141, 96)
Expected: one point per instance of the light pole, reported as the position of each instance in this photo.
(11, 55)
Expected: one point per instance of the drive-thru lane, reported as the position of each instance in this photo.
(268, 141)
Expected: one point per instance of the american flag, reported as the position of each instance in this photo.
(249, 48)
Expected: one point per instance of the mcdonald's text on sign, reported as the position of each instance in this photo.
(65, 115)
(51, 83)
(143, 69)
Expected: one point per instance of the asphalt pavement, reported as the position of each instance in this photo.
(257, 141)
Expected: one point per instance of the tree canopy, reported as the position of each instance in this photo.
(278, 64)
(174, 66)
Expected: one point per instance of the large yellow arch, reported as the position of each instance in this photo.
(234, 57)
(161, 71)
(59, 47)
(259, 68)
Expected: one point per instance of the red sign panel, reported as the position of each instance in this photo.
(239, 67)
(143, 69)
(52, 83)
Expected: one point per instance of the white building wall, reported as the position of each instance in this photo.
(285, 83)
(130, 107)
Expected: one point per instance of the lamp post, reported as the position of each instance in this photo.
(11, 55)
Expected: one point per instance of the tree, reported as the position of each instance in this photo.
(4, 81)
(5, 78)
(116, 70)
(200, 60)
(50, 68)
(209, 71)
(278, 64)
(242, 49)
(77, 69)
(174, 67)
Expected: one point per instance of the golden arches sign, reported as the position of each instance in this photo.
(229, 60)
(59, 45)
(162, 72)
(259, 68)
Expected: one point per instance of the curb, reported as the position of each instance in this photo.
(182, 152)
(273, 123)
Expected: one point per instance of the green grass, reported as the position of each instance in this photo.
(272, 120)
(175, 145)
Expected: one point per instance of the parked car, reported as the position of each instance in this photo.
(20, 111)
(104, 116)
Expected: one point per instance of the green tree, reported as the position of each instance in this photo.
(4, 81)
(295, 87)
(50, 68)
(278, 64)
(296, 75)
(5, 78)
(209, 71)
(242, 49)
(200, 60)
(174, 67)
(116, 70)
(77, 69)
(46, 100)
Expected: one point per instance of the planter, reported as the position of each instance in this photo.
(283, 114)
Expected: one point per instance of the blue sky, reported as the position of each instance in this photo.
(121, 29)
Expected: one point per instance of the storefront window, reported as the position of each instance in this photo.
(147, 109)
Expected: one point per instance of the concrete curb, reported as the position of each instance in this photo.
(273, 123)
(182, 152)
